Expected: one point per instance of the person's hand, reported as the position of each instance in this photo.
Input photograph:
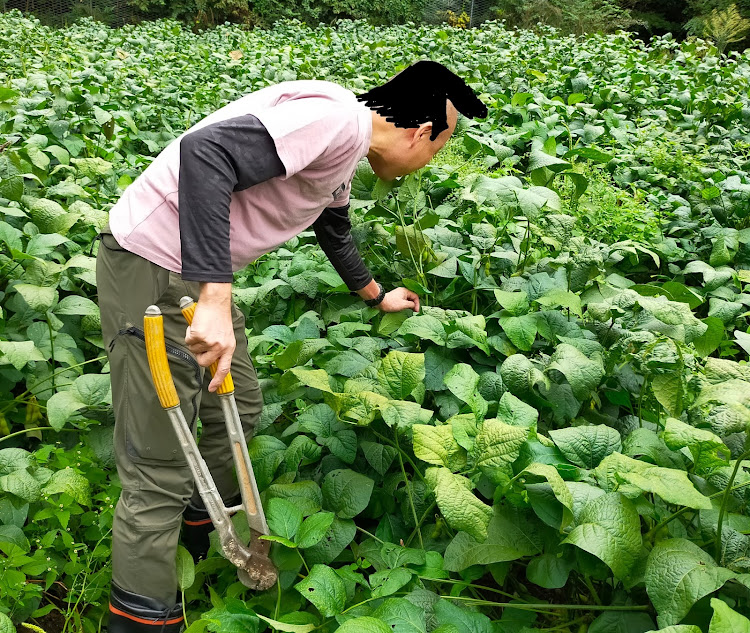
(399, 299)
(210, 337)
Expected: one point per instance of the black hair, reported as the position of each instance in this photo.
(418, 94)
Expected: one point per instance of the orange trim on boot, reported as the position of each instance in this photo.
(201, 522)
(117, 611)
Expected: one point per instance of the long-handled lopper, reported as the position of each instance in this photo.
(255, 569)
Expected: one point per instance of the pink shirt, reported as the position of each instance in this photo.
(320, 131)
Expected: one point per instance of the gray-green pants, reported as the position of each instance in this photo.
(156, 481)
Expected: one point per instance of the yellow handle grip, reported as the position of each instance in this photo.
(153, 328)
(187, 305)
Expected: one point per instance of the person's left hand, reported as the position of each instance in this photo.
(399, 299)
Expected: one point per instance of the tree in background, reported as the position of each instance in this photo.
(723, 26)
(720, 21)
(571, 16)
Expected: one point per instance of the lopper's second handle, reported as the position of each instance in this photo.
(153, 328)
(187, 305)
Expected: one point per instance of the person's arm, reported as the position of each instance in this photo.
(333, 230)
(216, 160)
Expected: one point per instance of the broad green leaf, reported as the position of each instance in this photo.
(678, 574)
(561, 298)
(463, 382)
(185, 569)
(583, 374)
(558, 486)
(496, 447)
(436, 445)
(379, 456)
(41, 245)
(402, 414)
(22, 484)
(70, 482)
(726, 619)
(14, 541)
(233, 617)
(347, 363)
(586, 446)
(411, 242)
(541, 159)
(401, 373)
(74, 304)
(549, 571)
(299, 352)
(707, 449)
(61, 406)
(470, 331)
(517, 303)
(38, 298)
(508, 538)
(287, 628)
(337, 436)
(621, 622)
(14, 459)
(6, 625)
(389, 581)
(364, 624)
(424, 326)
(305, 495)
(669, 390)
(708, 342)
(461, 509)
(316, 378)
(324, 589)
(346, 492)
(284, 518)
(610, 529)
(19, 353)
(93, 389)
(515, 412)
(401, 616)
(313, 529)
(670, 484)
(521, 330)
(465, 429)
(462, 619)
(340, 534)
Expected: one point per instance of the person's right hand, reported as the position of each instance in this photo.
(210, 337)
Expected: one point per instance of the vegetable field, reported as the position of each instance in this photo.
(556, 442)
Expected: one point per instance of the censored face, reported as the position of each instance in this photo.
(412, 148)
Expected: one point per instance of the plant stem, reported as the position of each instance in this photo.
(592, 589)
(724, 502)
(546, 607)
(408, 491)
(682, 511)
(307, 569)
(278, 600)
(52, 348)
(370, 535)
(38, 428)
(424, 516)
(468, 584)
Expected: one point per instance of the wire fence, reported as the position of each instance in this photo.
(463, 13)
(60, 13)
(116, 13)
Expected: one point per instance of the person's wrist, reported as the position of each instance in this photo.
(377, 300)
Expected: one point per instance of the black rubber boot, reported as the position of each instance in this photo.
(133, 613)
(196, 526)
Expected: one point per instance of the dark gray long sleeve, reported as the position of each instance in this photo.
(215, 160)
(333, 230)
